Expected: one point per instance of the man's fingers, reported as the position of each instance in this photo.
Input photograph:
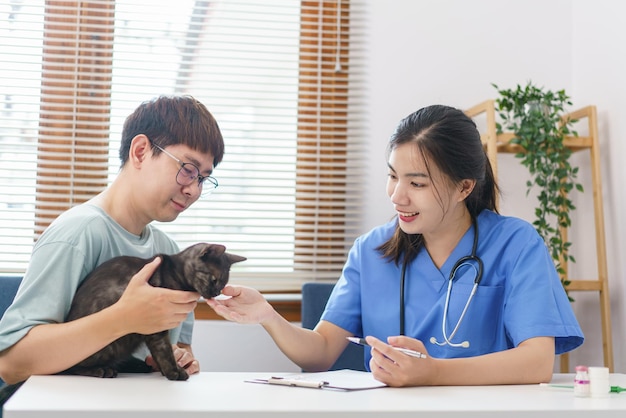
(146, 271)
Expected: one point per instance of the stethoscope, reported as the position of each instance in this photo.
(471, 260)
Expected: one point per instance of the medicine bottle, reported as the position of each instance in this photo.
(599, 384)
(582, 387)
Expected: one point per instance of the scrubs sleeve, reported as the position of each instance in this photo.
(536, 303)
(344, 304)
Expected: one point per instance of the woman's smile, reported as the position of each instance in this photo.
(407, 217)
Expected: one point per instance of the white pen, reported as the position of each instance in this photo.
(296, 382)
(406, 351)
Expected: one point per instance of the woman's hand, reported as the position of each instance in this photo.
(532, 361)
(395, 368)
(241, 304)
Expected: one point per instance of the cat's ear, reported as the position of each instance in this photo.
(216, 251)
(212, 250)
(234, 258)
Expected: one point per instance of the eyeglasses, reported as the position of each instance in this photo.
(189, 172)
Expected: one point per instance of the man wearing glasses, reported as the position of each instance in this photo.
(169, 149)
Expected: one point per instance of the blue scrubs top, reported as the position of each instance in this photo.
(520, 295)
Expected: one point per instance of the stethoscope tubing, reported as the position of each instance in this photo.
(461, 262)
(446, 338)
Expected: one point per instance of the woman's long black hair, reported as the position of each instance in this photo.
(449, 139)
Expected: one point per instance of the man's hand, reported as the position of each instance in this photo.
(183, 356)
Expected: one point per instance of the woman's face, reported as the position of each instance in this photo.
(425, 200)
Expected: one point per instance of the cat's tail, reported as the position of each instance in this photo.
(7, 391)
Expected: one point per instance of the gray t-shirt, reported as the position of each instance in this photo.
(72, 246)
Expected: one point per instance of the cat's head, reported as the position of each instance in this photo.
(207, 267)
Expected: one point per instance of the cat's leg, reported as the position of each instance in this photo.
(161, 350)
(98, 371)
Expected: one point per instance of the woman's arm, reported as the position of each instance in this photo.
(530, 362)
(312, 350)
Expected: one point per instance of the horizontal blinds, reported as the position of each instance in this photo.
(21, 49)
(284, 79)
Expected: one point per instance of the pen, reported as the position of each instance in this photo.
(406, 351)
(296, 382)
(614, 389)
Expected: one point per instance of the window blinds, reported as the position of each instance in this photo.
(284, 79)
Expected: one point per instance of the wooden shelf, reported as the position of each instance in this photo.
(501, 143)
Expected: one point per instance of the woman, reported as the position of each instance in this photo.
(475, 291)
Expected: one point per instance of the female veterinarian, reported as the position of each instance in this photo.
(475, 291)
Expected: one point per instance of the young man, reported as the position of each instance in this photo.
(169, 148)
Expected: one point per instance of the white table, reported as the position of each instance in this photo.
(226, 395)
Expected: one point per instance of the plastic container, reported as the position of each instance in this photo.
(600, 386)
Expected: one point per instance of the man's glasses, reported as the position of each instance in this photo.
(188, 173)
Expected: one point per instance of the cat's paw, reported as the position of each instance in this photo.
(107, 372)
(178, 374)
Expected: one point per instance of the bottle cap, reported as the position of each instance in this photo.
(598, 373)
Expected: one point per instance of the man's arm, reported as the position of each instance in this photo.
(52, 348)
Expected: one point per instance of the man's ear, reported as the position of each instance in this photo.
(140, 149)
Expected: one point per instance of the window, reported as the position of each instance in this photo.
(282, 77)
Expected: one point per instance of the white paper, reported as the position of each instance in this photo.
(337, 379)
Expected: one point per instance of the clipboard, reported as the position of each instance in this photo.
(342, 380)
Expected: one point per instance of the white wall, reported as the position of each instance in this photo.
(598, 69)
(450, 51)
(423, 52)
(222, 346)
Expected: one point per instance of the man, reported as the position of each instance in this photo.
(169, 148)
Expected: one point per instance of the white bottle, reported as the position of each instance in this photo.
(582, 387)
(599, 382)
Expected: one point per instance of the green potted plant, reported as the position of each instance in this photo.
(535, 116)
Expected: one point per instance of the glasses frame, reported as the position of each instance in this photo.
(202, 180)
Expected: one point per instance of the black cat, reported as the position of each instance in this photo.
(203, 268)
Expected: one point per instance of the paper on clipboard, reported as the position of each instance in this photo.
(346, 380)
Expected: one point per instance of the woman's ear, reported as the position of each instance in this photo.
(467, 186)
(140, 148)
